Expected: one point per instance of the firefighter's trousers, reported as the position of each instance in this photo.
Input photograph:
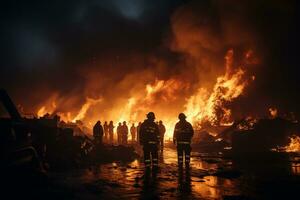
(184, 152)
(150, 155)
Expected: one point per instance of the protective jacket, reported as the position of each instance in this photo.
(183, 132)
(149, 133)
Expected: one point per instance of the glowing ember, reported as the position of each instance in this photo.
(273, 112)
(294, 145)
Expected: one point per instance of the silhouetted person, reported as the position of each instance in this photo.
(162, 131)
(138, 131)
(183, 134)
(149, 139)
(119, 133)
(105, 128)
(150, 187)
(111, 132)
(133, 132)
(98, 132)
(124, 133)
(184, 181)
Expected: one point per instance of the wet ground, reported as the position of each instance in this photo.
(210, 176)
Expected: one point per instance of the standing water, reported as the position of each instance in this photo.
(131, 180)
(210, 176)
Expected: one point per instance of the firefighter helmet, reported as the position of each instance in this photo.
(181, 116)
(151, 115)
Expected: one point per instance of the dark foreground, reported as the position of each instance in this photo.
(211, 176)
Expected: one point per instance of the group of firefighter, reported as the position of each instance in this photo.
(150, 135)
(105, 133)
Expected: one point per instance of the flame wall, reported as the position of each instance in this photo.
(204, 62)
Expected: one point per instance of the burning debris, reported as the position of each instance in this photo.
(294, 145)
(273, 112)
(204, 106)
(49, 141)
(97, 67)
(262, 135)
(209, 110)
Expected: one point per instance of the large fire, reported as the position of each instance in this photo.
(203, 105)
(209, 106)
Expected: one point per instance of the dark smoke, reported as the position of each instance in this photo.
(73, 50)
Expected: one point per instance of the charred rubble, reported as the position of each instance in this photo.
(248, 135)
(261, 135)
(46, 143)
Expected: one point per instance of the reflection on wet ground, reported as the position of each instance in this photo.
(209, 177)
(295, 165)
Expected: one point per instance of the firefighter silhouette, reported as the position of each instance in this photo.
(133, 132)
(149, 139)
(98, 132)
(162, 130)
(184, 180)
(105, 128)
(119, 133)
(124, 133)
(111, 132)
(138, 131)
(183, 134)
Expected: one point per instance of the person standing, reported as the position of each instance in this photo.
(124, 133)
(111, 132)
(182, 137)
(105, 128)
(98, 132)
(162, 131)
(119, 133)
(149, 139)
(138, 131)
(133, 132)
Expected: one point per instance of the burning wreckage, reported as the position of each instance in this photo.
(251, 136)
(46, 143)
(58, 141)
(53, 136)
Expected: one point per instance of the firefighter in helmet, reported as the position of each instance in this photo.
(138, 131)
(111, 132)
(98, 133)
(119, 133)
(124, 133)
(183, 134)
(133, 133)
(162, 130)
(149, 139)
(105, 129)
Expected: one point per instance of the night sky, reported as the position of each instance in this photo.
(46, 46)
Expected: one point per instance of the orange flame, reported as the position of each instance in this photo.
(81, 114)
(204, 106)
(294, 145)
(165, 98)
(46, 109)
(273, 112)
